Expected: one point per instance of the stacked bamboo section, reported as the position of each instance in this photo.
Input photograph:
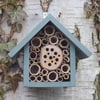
(49, 56)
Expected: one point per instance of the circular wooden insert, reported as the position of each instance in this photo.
(51, 57)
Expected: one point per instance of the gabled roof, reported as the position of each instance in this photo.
(81, 51)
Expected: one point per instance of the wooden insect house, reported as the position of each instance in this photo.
(50, 53)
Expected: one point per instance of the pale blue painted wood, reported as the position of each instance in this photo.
(26, 64)
(84, 52)
(73, 64)
(70, 83)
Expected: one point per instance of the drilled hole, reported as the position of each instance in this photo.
(52, 61)
(45, 56)
(50, 57)
(49, 64)
(57, 59)
(58, 55)
(44, 61)
(52, 49)
(55, 53)
(48, 53)
(47, 49)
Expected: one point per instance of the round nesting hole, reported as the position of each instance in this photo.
(39, 78)
(55, 53)
(44, 41)
(53, 40)
(52, 76)
(52, 61)
(45, 61)
(50, 57)
(65, 68)
(44, 78)
(36, 61)
(47, 49)
(32, 78)
(48, 53)
(53, 56)
(58, 55)
(36, 42)
(49, 30)
(35, 69)
(33, 55)
(45, 56)
(49, 64)
(64, 43)
(60, 79)
(56, 59)
(44, 72)
(52, 49)
(66, 76)
(55, 63)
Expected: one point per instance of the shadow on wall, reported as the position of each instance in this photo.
(48, 94)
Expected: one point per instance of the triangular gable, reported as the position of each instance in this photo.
(81, 51)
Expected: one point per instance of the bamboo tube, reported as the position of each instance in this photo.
(66, 76)
(53, 40)
(44, 72)
(36, 42)
(67, 59)
(33, 78)
(44, 41)
(65, 52)
(41, 34)
(45, 79)
(58, 70)
(39, 78)
(33, 55)
(49, 30)
(65, 68)
(60, 79)
(59, 35)
(35, 69)
(64, 43)
(52, 76)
